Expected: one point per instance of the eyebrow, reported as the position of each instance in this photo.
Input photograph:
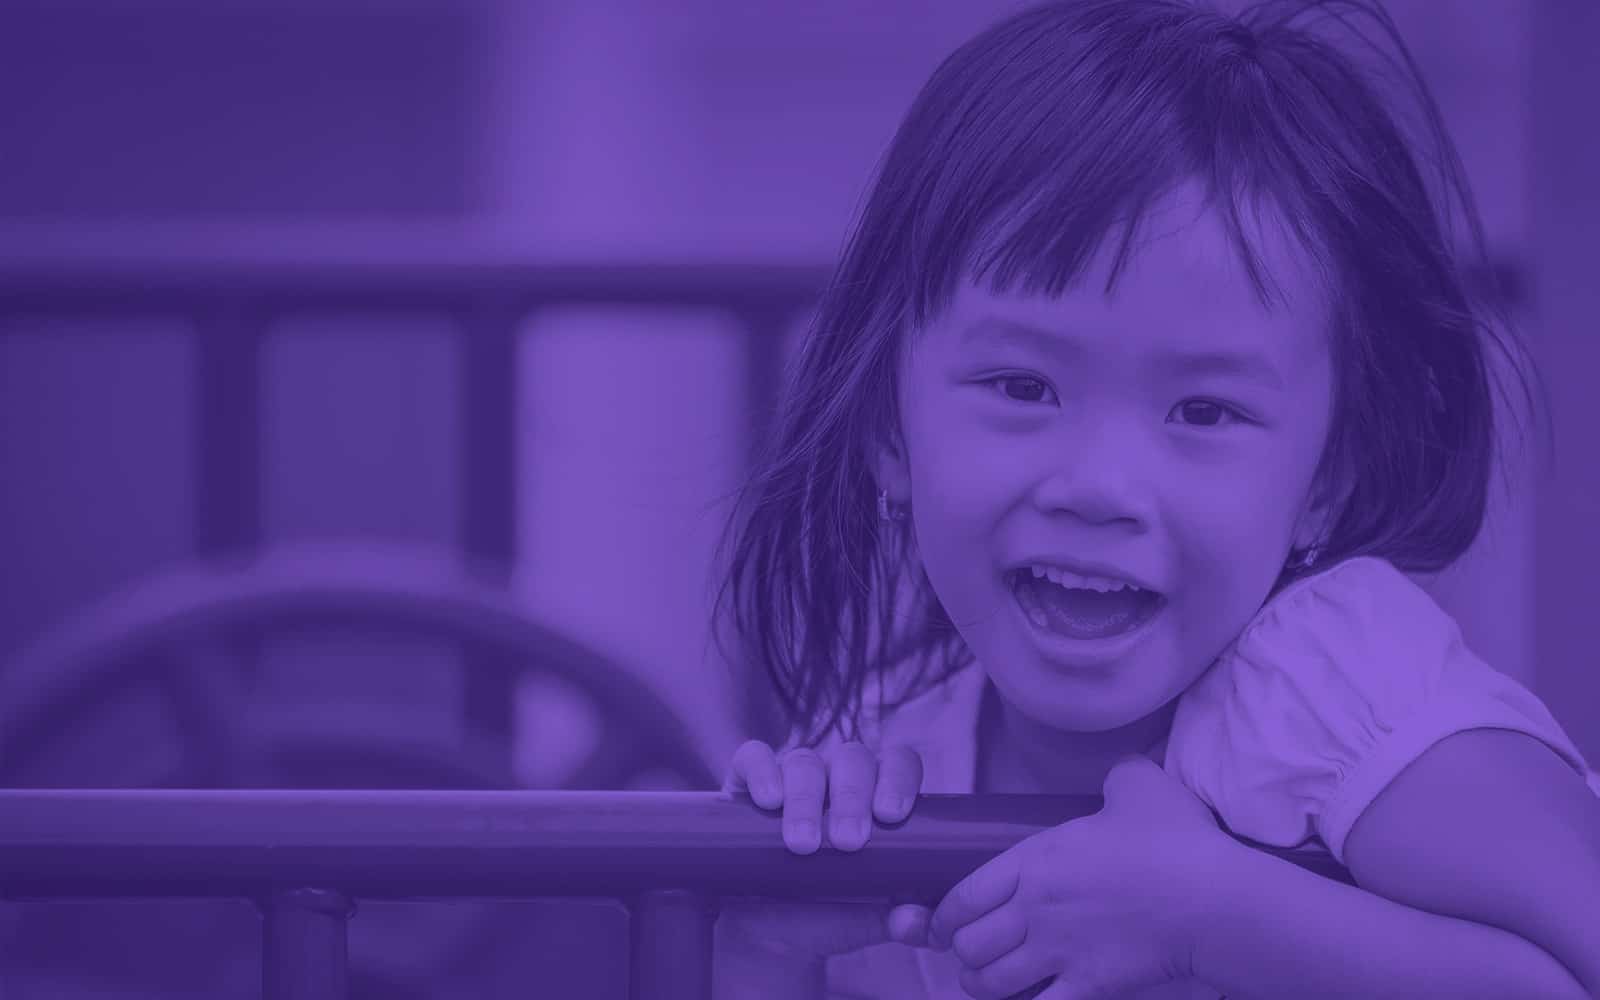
(1246, 364)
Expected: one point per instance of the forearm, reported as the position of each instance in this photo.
(742, 974)
(1280, 931)
(748, 963)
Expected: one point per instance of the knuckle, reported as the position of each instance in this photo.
(854, 751)
(856, 767)
(904, 757)
(977, 985)
(966, 892)
(803, 766)
(903, 770)
(800, 757)
(962, 943)
(750, 758)
(802, 800)
(851, 788)
(752, 751)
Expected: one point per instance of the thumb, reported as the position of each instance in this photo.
(1139, 784)
(908, 924)
(1133, 778)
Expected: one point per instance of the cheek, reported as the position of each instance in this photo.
(1244, 505)
(1233, 534)
(955, 510)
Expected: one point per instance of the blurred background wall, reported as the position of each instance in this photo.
(560, 131)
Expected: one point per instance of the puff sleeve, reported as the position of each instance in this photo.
(1341, 681)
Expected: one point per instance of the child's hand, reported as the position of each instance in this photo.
(855, 786)
(1106, 904)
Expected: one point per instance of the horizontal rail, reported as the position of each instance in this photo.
(425, 844)
(366, 282)
(328, 272)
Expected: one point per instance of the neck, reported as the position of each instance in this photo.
(1023, 755)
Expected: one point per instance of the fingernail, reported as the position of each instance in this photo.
(857, 831)
(806, 834)
(898, 805)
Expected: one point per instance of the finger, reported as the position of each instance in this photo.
(755, 770)
(1132, 778)
(805, 781)
(908, 924)
(990, 886)
(899, 780)
(852, 774)
(1038, 990)
(1062, 988)
(993, 935)
(1018, 971)
(799, 929)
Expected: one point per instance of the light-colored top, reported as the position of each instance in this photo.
(1339, 682)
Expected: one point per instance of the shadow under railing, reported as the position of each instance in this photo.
(308, 857)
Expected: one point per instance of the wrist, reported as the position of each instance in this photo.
(1219, 898)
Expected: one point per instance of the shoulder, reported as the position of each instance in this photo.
(1361, 629)
(1339, 682)
(1348, 616)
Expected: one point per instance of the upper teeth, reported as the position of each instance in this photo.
(1067, 578)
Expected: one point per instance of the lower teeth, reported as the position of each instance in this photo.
(1063, 610)
(1036, 615)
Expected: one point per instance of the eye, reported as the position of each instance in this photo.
(1205, 413)
(1021, 388)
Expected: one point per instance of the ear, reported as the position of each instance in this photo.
(1317, 516)
(894, 471)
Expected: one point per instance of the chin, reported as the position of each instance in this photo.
(1084, 708)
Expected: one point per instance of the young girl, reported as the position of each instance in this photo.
(1147, 374)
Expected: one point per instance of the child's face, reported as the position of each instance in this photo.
(1102, 445)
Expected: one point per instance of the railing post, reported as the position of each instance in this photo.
(304, 946)
(669, 933)
(229, 337)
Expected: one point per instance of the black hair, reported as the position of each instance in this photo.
(1031, 146)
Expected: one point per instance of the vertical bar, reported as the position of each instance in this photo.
(487, 464)
(670, 946)
(304, 945)
(487, 401)
(228, 426)
(1566, 215)
(765, 328)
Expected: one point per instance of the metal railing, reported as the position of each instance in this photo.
(234, 301)
(234, 291)
(309, 858)
(234, 294)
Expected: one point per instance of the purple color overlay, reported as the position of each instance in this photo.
(377, 382)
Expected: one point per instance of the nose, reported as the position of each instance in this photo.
(1097, 476)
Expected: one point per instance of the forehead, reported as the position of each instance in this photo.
(1183, 289)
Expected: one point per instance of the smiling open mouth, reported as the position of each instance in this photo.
(1083, 612)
